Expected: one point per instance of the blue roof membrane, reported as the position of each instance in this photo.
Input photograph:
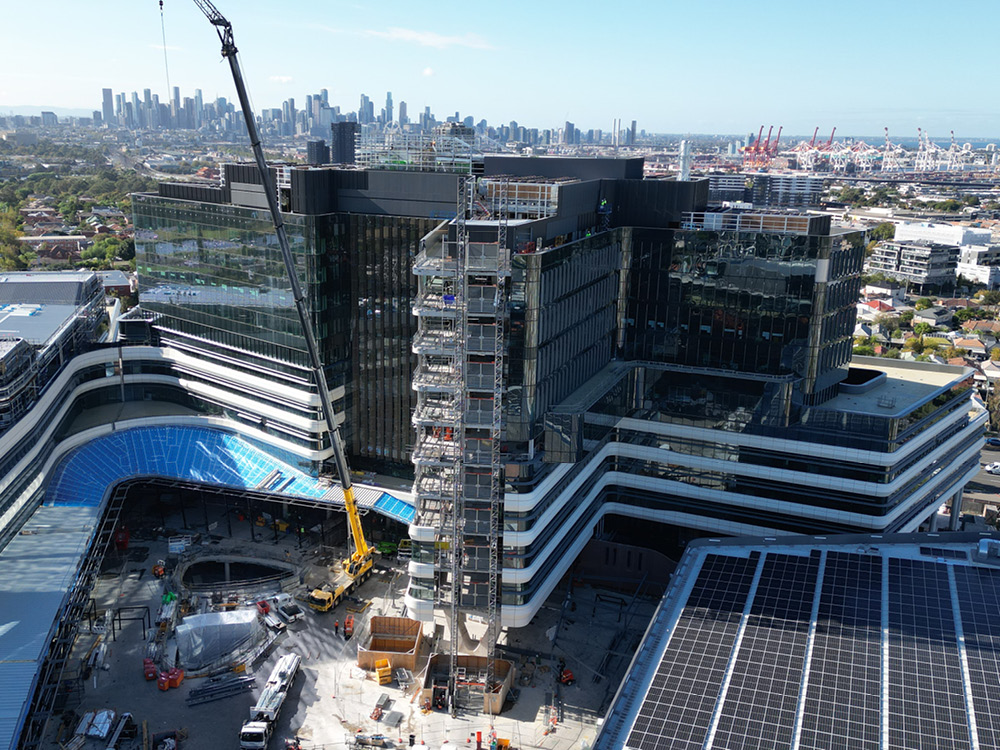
(194, 454)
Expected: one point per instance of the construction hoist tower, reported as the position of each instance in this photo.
(483, 271)
(461, 309)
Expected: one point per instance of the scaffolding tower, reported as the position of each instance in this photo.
(496, 439)
(461, 308)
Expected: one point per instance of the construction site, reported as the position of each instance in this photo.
(188, 633)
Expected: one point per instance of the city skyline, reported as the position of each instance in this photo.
(560, 64)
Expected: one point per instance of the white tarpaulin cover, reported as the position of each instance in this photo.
(203, 639)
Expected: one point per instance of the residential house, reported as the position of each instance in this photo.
(935, 316)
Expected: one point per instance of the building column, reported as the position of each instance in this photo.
(956, 511)
(932, 522)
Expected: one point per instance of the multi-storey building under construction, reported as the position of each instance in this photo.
(558, 346)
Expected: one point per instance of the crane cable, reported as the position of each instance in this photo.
(163, 31)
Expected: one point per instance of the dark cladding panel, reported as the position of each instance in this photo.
(313, 191)
(242, 173)
(655, 203)
(192, 192)
(416, 194)
(555, 167)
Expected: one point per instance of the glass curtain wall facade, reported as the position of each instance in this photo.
(753, 299)
(383, 288)
(562, 325)
(213, 274)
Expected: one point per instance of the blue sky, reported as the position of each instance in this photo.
(691, 66)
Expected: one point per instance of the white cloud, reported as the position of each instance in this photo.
(280, 79)
(431, 38)
(428, 71)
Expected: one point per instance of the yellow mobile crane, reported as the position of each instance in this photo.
(358, 566)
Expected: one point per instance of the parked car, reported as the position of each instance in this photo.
(995, 442)
(993, 468)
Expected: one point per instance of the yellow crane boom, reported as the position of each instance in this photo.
(360, 560)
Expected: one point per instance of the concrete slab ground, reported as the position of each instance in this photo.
(595, 631)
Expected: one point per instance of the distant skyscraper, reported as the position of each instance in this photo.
(343, 142)
(324, 97)
(568, 130)
(199, 108)
(631, 134)
(139, 122)
(388, 107)
(108, 108)
(317, 152)
(403, 119)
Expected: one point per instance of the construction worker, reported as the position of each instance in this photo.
(336, 627)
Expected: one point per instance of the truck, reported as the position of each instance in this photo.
(328, 595)
(256, 733)
(287, 608)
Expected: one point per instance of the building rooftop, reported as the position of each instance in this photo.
(34, 323)
(46, 288)
(38, 568)
(906, 386)
(855, 641)
(198, 455)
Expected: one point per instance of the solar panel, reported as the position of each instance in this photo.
(760, 705)
(926, 696)
(978, 592)
(845, 682)
(843, 693)
(679, 704)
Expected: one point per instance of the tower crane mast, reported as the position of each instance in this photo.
(360, 561)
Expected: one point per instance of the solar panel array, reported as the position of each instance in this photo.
(926, 701)
(829, 649)
(682, 697)
(759, 707)
(194, 454)
(979, 603)
(843, 696)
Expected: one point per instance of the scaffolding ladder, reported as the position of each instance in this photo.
(457, 520)
(496, 441)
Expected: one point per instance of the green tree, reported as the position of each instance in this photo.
(922, 329)
(884, 231)
(967, 313)
(923, 303)
(10, 248)
(891, 353)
